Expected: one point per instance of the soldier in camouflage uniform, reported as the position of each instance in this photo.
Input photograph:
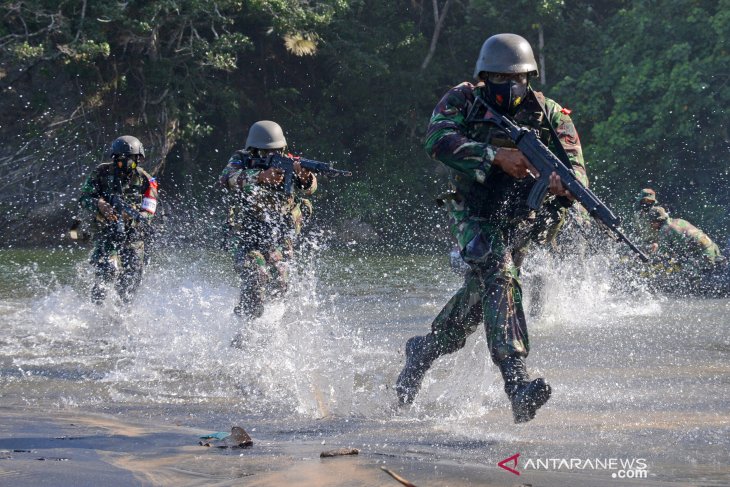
(645, 201)
(262, 220)
(119, 250)
(490, 181)
(681, 243)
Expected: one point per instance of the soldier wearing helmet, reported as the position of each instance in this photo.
(683, 244)
(645, 201)
(123, 198)
(263, 220)
(490, 180)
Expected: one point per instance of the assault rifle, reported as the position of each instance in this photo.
(546, 163)
(286, 164)
(122, 207)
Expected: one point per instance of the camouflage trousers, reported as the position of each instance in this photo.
(119, 263)
(491, 292)
(264, 272)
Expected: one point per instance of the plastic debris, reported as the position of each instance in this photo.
(219, 435)
(237, 438)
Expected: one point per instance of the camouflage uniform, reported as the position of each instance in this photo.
(119, 250)
(690, 247)
(645, 201)
(262, 224)
(491, 221)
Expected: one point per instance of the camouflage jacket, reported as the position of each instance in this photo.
(681, 241)
(641, 224)
(259, 206)
(107, 180)
(469, 149)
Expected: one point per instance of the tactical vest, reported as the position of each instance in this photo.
(131, 187)
(502, 198)
(261, 211)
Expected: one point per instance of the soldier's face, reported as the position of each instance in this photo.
(129, 163)
(507, 90)
(501, 78)
(646, 205)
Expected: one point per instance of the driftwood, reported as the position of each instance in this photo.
(398, 477)
(339, 452)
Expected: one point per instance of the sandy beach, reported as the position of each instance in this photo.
(87, 448)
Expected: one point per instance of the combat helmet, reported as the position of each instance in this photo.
(647, 195)
(127, 145)
(265, 134)
(506, 53)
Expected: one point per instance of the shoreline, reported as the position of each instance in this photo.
(80, 447)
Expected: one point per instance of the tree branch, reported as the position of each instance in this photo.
(81, 22)
(438, 25)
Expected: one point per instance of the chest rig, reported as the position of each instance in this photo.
(260, 215)
(129, 186)
(501, 198)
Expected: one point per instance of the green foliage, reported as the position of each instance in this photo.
(24, 52)
(659, 102)
(647, 82)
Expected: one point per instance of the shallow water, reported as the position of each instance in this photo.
(633, 375)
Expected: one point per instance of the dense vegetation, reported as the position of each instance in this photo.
(352, 81)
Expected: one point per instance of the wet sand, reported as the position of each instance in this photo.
(80, 448)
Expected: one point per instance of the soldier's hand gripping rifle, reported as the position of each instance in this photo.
(122, 207)
(286, 164)
(546, 163)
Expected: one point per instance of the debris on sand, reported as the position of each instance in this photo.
(339, 452)
(237, 438)
(398, 477)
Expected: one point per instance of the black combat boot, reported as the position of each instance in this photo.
(526, 396)
(104, 275)
(250, 305)
(98, 293)
(421, 351)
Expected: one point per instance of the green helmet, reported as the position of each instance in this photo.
(506, 53)
(658, 214)
(265, 134)
(127, 145)
(647, 195)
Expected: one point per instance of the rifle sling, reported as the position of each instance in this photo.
(559, 149)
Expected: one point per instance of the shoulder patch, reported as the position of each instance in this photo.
(566, 111)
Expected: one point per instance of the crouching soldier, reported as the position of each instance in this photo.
(684, 247)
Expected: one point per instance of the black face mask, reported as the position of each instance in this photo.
(506, 97)
(127, 164)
